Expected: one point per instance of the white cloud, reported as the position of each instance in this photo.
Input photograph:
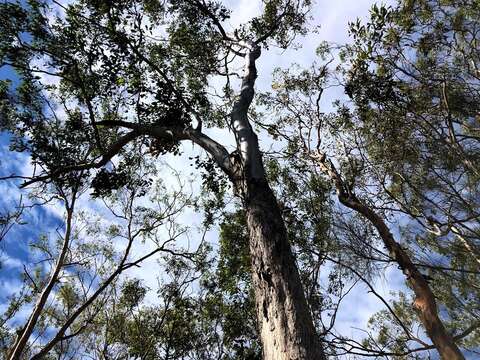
(10, 262)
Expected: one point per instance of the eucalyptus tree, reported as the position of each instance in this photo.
(418, 66)
(405, 147)
(76, 275)
(113, 79)
(426, 74)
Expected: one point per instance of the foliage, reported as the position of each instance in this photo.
(105, 89)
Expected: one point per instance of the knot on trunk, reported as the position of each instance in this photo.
(425, 304)
(420, 304)
(255, 52)
(267, 276)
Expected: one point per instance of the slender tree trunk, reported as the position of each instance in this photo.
(285, 323)
(424, 303)
(21, 342)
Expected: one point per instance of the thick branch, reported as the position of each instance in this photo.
(216, 151)
(107, 156)
(247, 141)
(214, 148)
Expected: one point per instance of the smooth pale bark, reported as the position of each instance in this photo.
(285, 323)
(424, 303)
(466, 244)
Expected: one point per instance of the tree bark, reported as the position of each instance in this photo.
(285, 323)
(19, 346)
(424, 303)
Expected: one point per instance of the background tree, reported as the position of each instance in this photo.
(401, 152)
(76, 274)
(433, 179)
(132, 82)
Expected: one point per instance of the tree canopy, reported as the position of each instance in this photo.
(258, 211)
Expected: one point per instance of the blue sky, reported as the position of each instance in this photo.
(333, 17)
(41, 220)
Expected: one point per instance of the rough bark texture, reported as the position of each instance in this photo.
(424, 303)
(285, 323)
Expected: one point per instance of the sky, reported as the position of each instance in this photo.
(332, 17)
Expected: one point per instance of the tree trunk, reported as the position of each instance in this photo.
(284, 319)
(424, 303)
(285, 324)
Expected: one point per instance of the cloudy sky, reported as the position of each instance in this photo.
(333, 17)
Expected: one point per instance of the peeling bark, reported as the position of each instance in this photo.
(424, 303)
(285, 323)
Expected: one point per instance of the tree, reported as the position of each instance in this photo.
(425, 97)
(132, 78)
(21, 342)
(73, 290)
(108, 87)
(402, 148)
